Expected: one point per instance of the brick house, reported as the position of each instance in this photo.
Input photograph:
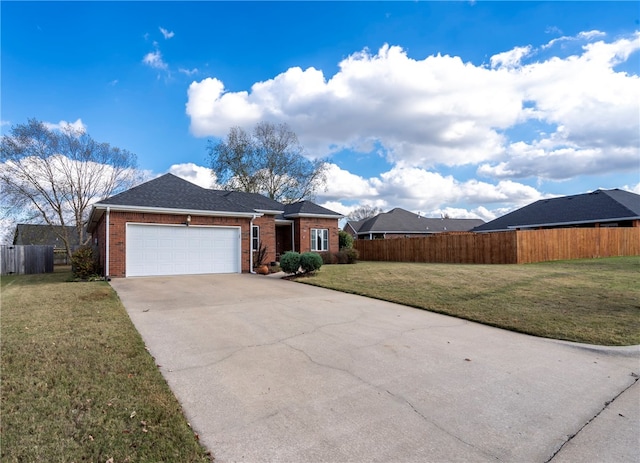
(400, 223)
(169, 226)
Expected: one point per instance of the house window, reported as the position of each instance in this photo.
(255, 237)
(319, 239)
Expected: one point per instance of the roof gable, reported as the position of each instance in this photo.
(597, 206)
(171, 192)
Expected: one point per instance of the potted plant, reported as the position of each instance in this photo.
(259, 258)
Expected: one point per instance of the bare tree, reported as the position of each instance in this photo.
(269, 161)
(57, 175)
(364, 212)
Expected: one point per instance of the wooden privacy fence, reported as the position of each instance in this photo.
(510, 247)
(23, 260)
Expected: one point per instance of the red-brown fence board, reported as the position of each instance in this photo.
(509, 247)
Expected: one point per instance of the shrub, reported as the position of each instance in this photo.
(328, 257)
(345, 240)
(84, 263)
(352, 255)
(347, 256)
(310, 261)
(290, 262)
(341, 257)
(260, 256)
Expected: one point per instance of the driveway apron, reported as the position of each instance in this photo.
(269, 370)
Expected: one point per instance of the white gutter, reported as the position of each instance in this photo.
(106, 260)
(251, 243)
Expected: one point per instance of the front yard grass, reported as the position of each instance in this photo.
(77, 383)
(595, 301)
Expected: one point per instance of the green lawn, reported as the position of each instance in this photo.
(77, 381)
(595, 301)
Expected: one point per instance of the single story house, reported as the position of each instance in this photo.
(400, 223)
(169, 226)
(44, 235)
(600, 208)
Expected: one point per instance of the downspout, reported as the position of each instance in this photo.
(251, 244)
(293, 236)
(106, 261)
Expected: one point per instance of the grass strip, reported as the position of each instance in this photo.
(77, 381)
(594, 301)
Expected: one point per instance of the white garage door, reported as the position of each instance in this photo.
(181, 250)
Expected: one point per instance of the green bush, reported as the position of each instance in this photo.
(290, 262)
(84, 263)
(310, 261)
(347, 256)
(345, 240)
(352, 255)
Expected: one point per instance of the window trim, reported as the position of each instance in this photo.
(255, 237)
(320, 236)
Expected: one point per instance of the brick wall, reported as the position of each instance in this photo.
(267, 224)
(303, 228)
(117, 234)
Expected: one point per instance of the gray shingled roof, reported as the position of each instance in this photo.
(27, 234)
(399, 220)
(253, 201)
(355, 224)
(306, 208)
(171, 192)
(597, 206)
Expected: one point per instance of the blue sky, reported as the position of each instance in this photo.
(466, 108)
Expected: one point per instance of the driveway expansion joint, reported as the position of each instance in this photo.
(607, 404)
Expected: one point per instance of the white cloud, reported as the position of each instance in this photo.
(442, 111)
(166, 34)
(188, 72)
(587, 35)
(154, 59)
(343, 184)
(76, 127)
(511, 58)
(633, 188)
(202, 176)
(417, 189)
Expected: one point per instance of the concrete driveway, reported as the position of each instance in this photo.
(270, 370)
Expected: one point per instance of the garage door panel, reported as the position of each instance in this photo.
(171, 250)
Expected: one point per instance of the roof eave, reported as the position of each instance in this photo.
(99, 209)
(269, 211)
(577, 222)
(314, 216)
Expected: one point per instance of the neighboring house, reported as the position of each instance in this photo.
(352, 227)
(44, 235)
(169, 226)
(600, 208)
(400, 223)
